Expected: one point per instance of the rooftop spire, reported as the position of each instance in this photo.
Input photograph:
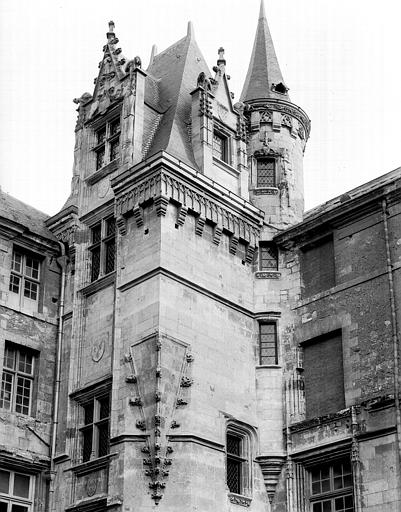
(264, 79)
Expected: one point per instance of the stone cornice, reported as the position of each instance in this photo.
(165, 179)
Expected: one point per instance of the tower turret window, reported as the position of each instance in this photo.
(266, 172)
(268, 256)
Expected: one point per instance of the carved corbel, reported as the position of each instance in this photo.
(233, 244)
(271, 467)
(182, 215)
(200, 224)
(250, 251)
(161, 203)
(138, 216)
(122, 225)
(217, 235)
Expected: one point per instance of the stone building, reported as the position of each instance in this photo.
(181, 336)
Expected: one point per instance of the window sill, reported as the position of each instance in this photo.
(239, 499)
(268, 366)
(102, 172)
(99, 284)
(226, 166)
(265, 191)
(90, 466)
(267, 274)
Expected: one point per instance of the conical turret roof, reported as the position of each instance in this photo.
(264, 79)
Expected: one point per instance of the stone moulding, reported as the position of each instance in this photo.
(260, 274)
(271, 466)
(162, 188)
(237, 499)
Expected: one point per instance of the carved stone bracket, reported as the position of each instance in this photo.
(271, 467)
(182, 215)
(233, 244)
(250, 251)
(121, 225)
(161, 203)
(217, 235)
(200, 224)
(67, 235)
(138, 216)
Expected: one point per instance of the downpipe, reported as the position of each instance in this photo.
(62, 261)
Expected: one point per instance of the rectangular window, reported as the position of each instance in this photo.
(103, 248)
(96, 430)
(17, 379)
(16, 491)
(317, 266)
(25, 275)
(331, 487)
(107, 143)
(324, 375)
(220, 146)
(268, 353)
(266, 172)
(268, 256)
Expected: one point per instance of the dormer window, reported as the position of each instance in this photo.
(220, 146)
(266, 172)
(107, 143)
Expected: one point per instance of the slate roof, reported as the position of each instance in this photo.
(23, 214)
(264, 69)
(175, 71)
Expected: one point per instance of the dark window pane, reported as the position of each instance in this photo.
(3, 506)
(95, 263)
(23, 395)
(316, 488)
(6, 391)
(87, 444)
(30, 290)
(234, 475)
(4, 481)
(317, 507)
(19, 508)
(219, 146)
(110, 226)
(25, 362)
(234, 444)
(17, 262)
(9, 358)
(115, 149)
(96, 233)
(268, 343)
(103, 431)
(327, 506)
(325, 485)
(88, 413)
(114, 127)
(32, 267)
(104, 411)
(110, 255)
(100, 158)
(21, 485)
(266, 173)
(14, 283)
(101, 135)
(268, 257)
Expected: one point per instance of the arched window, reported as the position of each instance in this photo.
(238, 458)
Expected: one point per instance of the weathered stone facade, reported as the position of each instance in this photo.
(202, 343)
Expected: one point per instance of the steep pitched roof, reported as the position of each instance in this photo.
(14, 210)
(264, 71)
(176, 71)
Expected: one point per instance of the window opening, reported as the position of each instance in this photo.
(103, 248)
(268, 353)
(17, 379)
(235, 462)
(220, 146)
(16, 492)
(25, 274)
(95, 432)
(268, 256)
(331, 487)
(266, 172)
(108, 143)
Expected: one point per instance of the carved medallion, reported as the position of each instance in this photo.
(98, 347)
(103, 188)
(91, 485)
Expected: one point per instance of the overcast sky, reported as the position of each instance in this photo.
(341, 60)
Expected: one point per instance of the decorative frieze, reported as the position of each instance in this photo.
(261, 274)
(244, 501)
(162, 188)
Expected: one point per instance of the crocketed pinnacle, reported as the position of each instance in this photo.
(264, 79)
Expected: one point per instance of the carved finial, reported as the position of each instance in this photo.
(110, 34)
(221, 60)
(262, 13)
(190, 29)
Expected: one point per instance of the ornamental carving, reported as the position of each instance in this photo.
(156, 414)
(162, 188)
(240, 500)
